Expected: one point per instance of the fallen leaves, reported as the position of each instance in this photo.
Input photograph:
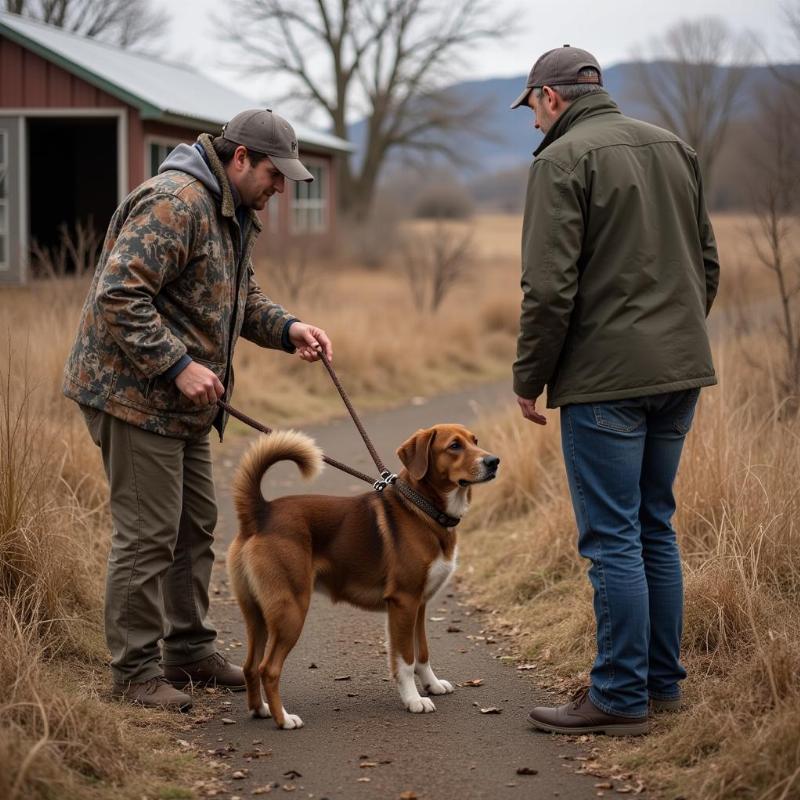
(453, 629)
(228, 721)
(527, 771)
(492, 710)
(343, 677)
(408, 795)
(292, 775)
(473, 682)
(526, 667)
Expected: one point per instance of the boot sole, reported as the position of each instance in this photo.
(182, 708)
(182, 684)
(612, 729)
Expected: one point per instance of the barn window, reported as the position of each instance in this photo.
(158, 152)
(3, 200)
(310, 207)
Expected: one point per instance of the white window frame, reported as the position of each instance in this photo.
(305, 206)
(5, 260)
(157, 141)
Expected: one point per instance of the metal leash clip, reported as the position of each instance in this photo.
(386, 478)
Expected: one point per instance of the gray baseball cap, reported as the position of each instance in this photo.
(560, 67)
(265, 132)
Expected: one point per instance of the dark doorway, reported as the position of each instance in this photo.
(72, 169)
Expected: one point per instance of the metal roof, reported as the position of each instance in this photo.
(160, 90)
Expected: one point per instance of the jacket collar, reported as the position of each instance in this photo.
(228, 204)
(590, 105)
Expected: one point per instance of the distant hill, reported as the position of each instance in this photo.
(510, 135)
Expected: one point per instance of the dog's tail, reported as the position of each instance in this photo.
(268, 450)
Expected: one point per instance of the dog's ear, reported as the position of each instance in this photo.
(415, 452)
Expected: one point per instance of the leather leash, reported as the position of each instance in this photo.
(234, 412)
(388, 478)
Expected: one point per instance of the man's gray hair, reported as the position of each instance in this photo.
(573, 91)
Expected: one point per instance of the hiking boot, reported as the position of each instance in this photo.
(581, 715)
(214, 670)
(157, 692)
(673, 704)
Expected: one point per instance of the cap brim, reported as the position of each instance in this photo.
(522, 98)
(292, 168)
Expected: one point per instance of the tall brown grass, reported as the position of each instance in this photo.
(59, 735)
(738, 511)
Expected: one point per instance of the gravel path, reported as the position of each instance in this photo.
(358, 741)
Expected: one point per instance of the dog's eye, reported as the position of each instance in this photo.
(456, 445)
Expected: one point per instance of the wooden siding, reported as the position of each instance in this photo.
(30, 81)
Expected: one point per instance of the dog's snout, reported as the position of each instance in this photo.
(491, 462)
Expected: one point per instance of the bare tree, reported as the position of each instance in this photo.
(791, 16)
(434, 261)
(776, 179)
(291, 268)
(383, 60)
(123, 22)
(691, 82)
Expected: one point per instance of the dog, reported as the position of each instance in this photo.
(378, 551)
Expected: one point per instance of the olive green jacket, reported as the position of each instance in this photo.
(619, 262)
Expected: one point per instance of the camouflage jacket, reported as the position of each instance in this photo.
(174, 278)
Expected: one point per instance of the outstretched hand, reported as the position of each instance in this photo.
(529, 411)
(309, 340)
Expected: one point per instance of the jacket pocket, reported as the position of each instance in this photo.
(623, 416)
(162, 394)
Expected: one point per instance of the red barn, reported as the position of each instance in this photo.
(83, 122)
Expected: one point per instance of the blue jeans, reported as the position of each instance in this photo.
(622, 457)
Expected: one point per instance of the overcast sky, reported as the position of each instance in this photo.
(610, 30)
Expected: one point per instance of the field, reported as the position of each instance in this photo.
(737, 497)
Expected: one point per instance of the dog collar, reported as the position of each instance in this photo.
(423, 504)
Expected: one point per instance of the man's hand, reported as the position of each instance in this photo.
(309, 340)
(529, 411)
(199, 384)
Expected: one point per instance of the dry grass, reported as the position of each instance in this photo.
(59, 734)
(60, 737)
(739, 504)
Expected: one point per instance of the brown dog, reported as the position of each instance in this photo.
(378, 551)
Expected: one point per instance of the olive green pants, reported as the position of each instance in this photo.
(163, 511)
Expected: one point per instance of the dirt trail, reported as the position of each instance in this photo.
(358, 741)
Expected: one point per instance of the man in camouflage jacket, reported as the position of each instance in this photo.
(173, 291)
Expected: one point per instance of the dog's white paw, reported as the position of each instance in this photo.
(291, 721)
(420, 705)
(439, 687)
(262, 712)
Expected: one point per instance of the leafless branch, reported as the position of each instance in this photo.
(434, 261)
(127, 23)
(692, 80)
(386, 60)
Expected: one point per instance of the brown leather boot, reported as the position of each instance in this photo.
(157, 692)
(215, 670)
(581, 715)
